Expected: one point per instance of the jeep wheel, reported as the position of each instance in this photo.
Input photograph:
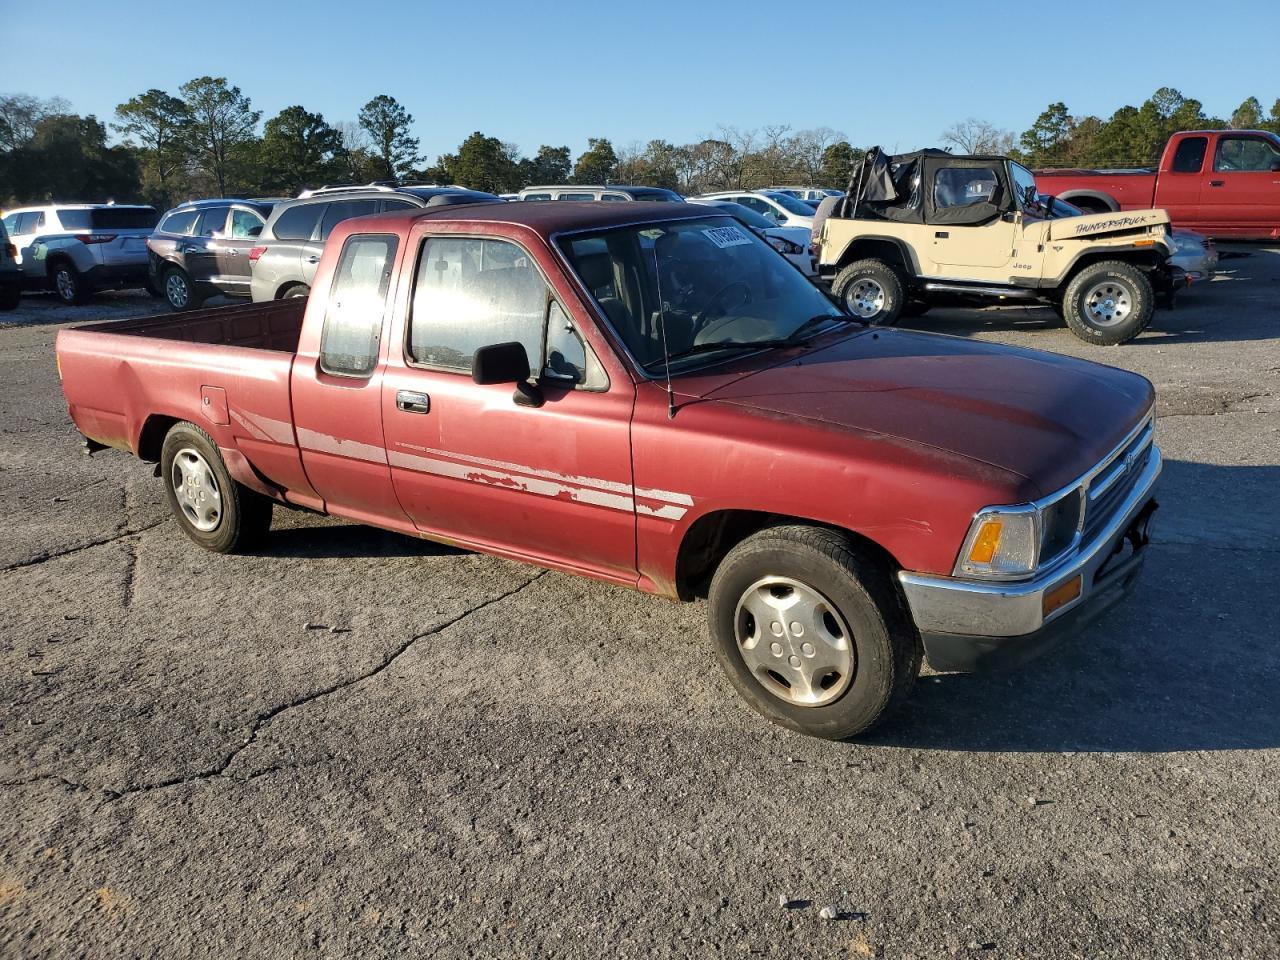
(872, 291)
(811, 631)
(1109, 303)
(179, 290)
(67, 283)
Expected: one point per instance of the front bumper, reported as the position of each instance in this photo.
(972, 625)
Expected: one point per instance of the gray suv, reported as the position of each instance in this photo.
(201, 249)
(284, 259)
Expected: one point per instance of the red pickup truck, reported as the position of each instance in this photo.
(653, 397)
(1222, 183)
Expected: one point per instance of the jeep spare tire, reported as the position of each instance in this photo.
(1108, 303)
(872, 291)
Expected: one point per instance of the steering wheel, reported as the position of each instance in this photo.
(701, 317)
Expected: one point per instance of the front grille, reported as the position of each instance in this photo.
(1115, 481)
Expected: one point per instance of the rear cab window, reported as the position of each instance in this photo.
(357, 302)
(1189, 157)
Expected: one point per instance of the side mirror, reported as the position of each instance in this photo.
(1275, 166)
(500, 363)
(507, 363)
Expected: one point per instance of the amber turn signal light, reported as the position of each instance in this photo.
(986, 542)
(1062, 594)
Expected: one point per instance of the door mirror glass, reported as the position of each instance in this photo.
(500, 363)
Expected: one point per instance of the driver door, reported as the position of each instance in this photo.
(985, 247)
(469, 463)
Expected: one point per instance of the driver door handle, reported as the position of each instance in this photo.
(313, 259)
(410, 401)
(1217, 183)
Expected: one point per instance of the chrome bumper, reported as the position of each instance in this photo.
(968, 624)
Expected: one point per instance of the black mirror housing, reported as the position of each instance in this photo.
(500, 363)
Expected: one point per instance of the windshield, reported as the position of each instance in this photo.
(1036, 204)
(789, 203)
(709, 281)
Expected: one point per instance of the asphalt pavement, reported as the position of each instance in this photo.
(356, 744)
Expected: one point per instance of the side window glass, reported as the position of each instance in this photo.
(245, 225)
(11, 224)
(1246, 154)
(180, 223)
(212, 221)
(473, 293)
(297, 223)
(357, 302)
(537, 196)
(396, 205)
(30, 222)
(961, 186)
(1189, 157)
(341, 210)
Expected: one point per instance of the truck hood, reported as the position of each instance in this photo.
(1044, 417)
(1092, 224)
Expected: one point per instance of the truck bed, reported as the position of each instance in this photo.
(225, 369)
(274, 325)
(1131, 189)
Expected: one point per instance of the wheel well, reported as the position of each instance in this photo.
(52, 262)
(865, 249)
(712, 536)
(289, 285)
(151, 437)
(1091, 202)
(1142, 259)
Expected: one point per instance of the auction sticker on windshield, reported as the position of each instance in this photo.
(726, 237)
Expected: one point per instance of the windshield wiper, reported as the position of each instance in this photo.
(792, 339)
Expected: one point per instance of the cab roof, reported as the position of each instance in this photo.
(541, 216)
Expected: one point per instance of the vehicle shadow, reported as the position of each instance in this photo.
(1187, 662)
(339, 540)
(1236, 306)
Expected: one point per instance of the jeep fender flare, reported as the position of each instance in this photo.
(875, 246)
(1144, 258)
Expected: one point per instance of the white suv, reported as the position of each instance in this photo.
(10, 274)
(75, 249)
(782, 208)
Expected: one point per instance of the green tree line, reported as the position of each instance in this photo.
(1130, 137)
(208, 140)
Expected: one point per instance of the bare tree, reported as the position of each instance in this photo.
(978, 136)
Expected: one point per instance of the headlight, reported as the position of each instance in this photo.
(1188, 245)
(1002, 543)
(783, 245)
(1005, 543)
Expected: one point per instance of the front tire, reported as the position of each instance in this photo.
(812, 632)
(872, 290)
(68, 284)
(1109, 303)
(296, 291)
(211, 508)
(10, 296)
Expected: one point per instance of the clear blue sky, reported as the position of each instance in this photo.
(891, 73)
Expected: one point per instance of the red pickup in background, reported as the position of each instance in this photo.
(1222, 183)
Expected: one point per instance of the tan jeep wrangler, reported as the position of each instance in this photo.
(931, 227)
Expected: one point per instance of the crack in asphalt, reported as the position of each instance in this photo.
(54, 555)
(262, 719)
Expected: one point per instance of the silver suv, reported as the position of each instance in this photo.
(75, 249)
(283, 263)
(10, 273)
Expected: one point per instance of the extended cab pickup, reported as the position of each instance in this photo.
(1222, 183)
(653, 397)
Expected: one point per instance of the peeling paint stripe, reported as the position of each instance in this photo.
(530, 484)
(354, 449)
(614, 485)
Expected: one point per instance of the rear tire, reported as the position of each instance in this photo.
(179, 291)
(67, 283)
(849, 657)
(1109, 303)
(10, 296)
(872, 290)
(211, 508)
(297, 290)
